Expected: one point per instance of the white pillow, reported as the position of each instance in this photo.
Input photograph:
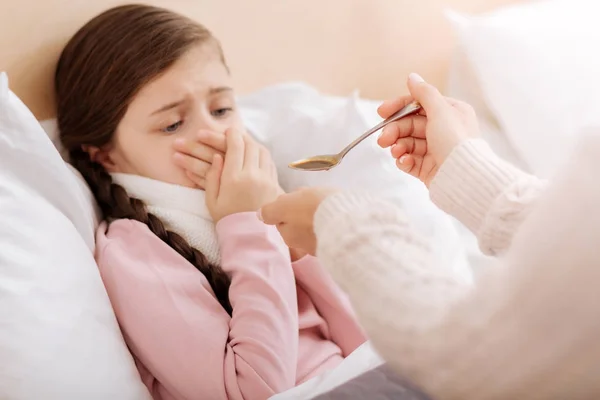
(536, 66)
(463, 85)
(88, 199)
(296, 121)
(59, 338)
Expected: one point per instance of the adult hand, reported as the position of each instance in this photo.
(244, 180)
(195, 155)
(293, 214)
(420, 143)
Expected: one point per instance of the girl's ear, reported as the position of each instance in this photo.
(100, 156)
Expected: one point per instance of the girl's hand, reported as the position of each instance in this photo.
(244, 180)
(420, 143)
(195, 155)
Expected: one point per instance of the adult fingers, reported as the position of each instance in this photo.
(410, 145)
(389, 107)
(427, 95)
(291, 237)
(277, 212)
(407, 163)
(463, 107)
(413, 125)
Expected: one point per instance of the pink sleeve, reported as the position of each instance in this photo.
(332, 303)
(177, 329)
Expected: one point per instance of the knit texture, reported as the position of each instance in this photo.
(183, 210)
(528, 328)
(474, 181)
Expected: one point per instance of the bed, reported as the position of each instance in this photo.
(332, 64)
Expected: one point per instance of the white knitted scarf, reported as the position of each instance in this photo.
(181, 209)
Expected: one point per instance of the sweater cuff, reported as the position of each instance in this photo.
(469, 181)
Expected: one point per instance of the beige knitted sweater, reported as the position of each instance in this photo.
(528, 329)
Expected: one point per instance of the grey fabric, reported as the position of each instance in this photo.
(378, 384)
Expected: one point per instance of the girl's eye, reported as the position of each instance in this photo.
(173, 128)
(221, 112)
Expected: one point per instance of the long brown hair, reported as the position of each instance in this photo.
(99, 72)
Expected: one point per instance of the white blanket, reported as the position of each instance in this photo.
(361, 360)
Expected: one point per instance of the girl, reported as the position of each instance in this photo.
(209, 300)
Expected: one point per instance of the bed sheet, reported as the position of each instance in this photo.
(362, 375)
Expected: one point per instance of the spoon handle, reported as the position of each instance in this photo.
(408, 109)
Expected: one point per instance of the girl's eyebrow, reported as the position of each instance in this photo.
(220, 89)
(167, 107)
(174, 104)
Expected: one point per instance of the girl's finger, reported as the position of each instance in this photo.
(212, 185)
(195, 148)
(215, 140)
(274, 174)
(251, 153)
(191, 164)
(234, 158)
(198, 180)
(265, 160)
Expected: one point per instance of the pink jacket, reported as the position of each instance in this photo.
(185, 345)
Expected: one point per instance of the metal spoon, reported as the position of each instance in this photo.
(327, 161)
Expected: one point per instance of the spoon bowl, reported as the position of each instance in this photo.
(327, 161)
(317, 163)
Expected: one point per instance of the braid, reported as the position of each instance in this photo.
(116, 204)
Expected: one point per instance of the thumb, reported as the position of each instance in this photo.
(427, 95)
(213, 178)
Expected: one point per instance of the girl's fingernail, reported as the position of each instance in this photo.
(402, 159)
(259, 214)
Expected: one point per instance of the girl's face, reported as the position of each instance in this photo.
(195, 94)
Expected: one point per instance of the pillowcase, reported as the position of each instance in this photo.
(295, 121)
(59, 337)
(536, 67)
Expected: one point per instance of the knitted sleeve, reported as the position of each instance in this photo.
(489, 196)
